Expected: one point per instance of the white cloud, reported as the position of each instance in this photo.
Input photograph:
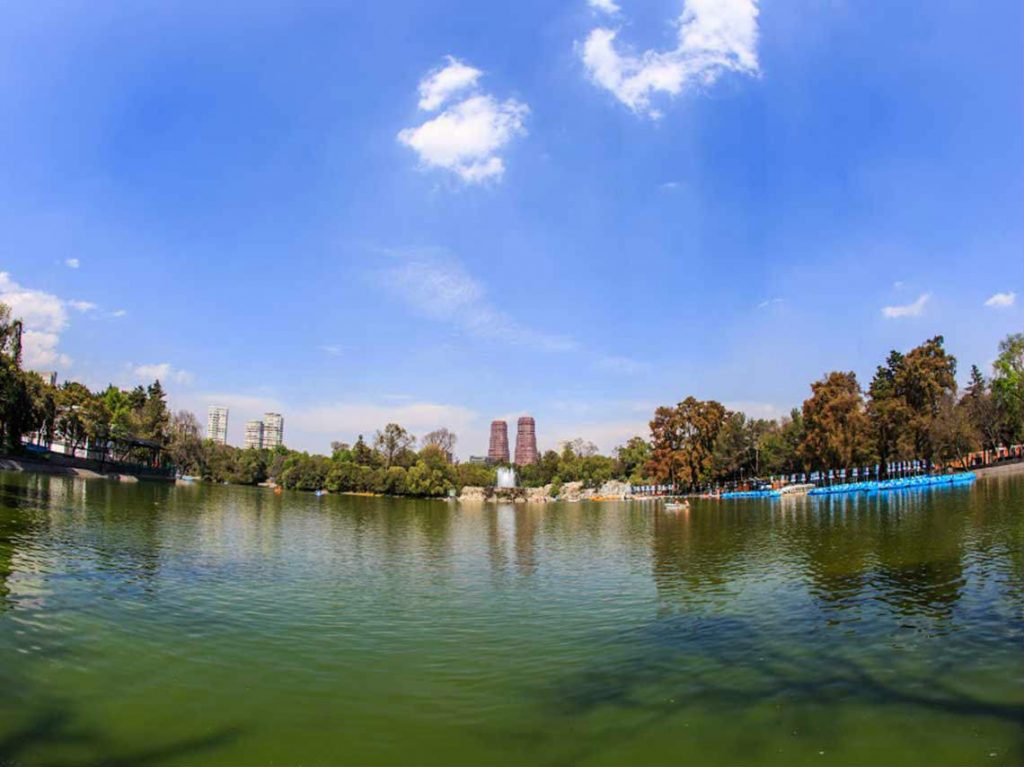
(604, 6)
(443, 290)
(163, 372)
(39, 350)
(443, 83)
(43, 315)
(770, 302)
(467, 137)
(714, 37)
(332, 350)
(1002, 300)
(915, 309)
(82, 306)
(119, 313)
(73, 263)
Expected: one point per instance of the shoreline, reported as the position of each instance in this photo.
(533, 496)
(1000, 470)
(30, 466)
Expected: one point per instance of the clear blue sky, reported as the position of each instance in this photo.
(445, 212)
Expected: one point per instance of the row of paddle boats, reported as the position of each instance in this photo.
(872, 486)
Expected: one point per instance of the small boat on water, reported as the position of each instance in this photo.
(682, 505)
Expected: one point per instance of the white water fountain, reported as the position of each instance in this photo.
(506, 478)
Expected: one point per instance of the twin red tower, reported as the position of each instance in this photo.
(526, 442)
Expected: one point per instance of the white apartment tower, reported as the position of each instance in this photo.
(273, 430)
(254, 434)
(217, 424)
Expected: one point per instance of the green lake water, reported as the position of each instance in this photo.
(202, 625)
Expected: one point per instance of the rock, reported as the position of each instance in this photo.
(615, 489)
(538, 494)
(474, 494)
(506, 494)
(570, 492)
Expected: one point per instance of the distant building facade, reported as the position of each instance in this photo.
(273, 430)
(49, 376)
(526, 441)
(497, 451)
(217, 424)
(254, 434)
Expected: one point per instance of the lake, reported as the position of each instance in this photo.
(204, 625)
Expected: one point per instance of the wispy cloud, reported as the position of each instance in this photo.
(469, 135)
(442, 290)
(1001, 300)
(755, 409)
(618, 364)
(915, 309)
(331, 350)
(72, 263)
(361, 417)
(119, 313)
(770, 302)
(607, 435)
(714, 37)
(82, 306)
(162, 371)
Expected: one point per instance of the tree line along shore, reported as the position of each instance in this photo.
(912, 409)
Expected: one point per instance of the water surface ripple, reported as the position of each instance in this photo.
(145, 624)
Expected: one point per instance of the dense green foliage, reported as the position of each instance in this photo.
(911, 410)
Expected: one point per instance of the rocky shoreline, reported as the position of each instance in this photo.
(570, 492)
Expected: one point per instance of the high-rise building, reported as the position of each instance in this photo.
(254, 434)
(497, 452)
(526, 441)
(217, 424)
(273, 430)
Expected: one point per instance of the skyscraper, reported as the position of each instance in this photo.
(497, 452)
(254, 434)
(273, 430)
(526, 441)
(217, 424)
